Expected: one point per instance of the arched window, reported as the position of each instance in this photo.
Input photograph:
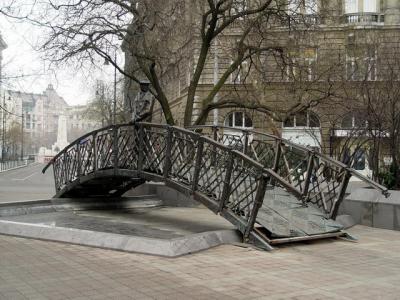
(304, 129)
(304, 119)
(238, 119)
(354, 120)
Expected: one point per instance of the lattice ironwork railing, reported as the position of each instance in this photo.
(226, 180)
(309, 175)
(229, 172)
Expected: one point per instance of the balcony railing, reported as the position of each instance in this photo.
(364, 18)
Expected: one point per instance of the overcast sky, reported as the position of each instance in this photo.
(20, 59)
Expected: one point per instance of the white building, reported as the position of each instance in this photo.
(41, 113)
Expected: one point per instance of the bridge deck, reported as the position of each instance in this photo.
(284, 216)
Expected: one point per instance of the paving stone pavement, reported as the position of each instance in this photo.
(331, 269)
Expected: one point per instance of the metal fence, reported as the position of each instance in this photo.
(11, 164)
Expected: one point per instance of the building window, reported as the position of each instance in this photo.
(241, 73)
(361, 63)
(360, 6)
(356, 159)
(351, 6)
(303, 129)
(352, 121)
(370, 6)
(359, 159)
(301, 65)
(306, 7)
(238, 119)
(304, 119)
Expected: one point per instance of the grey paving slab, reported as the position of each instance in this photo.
(368, 269)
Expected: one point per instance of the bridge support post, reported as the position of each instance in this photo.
(215, 138)
(278, 151)
(65, 169)
(168, 150)
(79, 158)
(227, 183)
(215, 133)
(310, 166)
(94, 149)
(342, 193)
(197, 166)
(56, 178)
(262, 185)
(246, 141)
(115, 148)
(140, 132)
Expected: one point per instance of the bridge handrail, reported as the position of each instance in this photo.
(76, 141)
(161, 126)
(353, 172)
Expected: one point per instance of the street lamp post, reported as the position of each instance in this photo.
(114, 112)
(115, 90)
(3, 129)
(22, 136)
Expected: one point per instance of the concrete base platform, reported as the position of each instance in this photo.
(142, 226)
(369, 207)
(162, 247)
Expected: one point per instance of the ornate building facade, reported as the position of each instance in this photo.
(41, 113)
(339, 66)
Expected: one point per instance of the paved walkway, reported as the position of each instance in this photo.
(369, 269)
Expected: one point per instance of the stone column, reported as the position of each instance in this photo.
(392, 12)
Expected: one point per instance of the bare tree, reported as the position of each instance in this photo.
(100, 108)
(370, 108)
(14, 141)
(160, 37)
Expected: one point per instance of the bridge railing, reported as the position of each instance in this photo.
(228, 172)
(225, 180)
(315, 178)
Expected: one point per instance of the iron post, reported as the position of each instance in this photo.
(78, 154)
(94, 149)
(22, 136)
(246, 141)
(115, 89)
(140, 163)
(310, 166)
(168, 150)
(115, 147)
(199, 157)
(342, 193)
(3, 129)
(227, 182)
(262, 185)
(277, 156)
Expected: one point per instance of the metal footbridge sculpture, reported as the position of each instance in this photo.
(271, 190)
